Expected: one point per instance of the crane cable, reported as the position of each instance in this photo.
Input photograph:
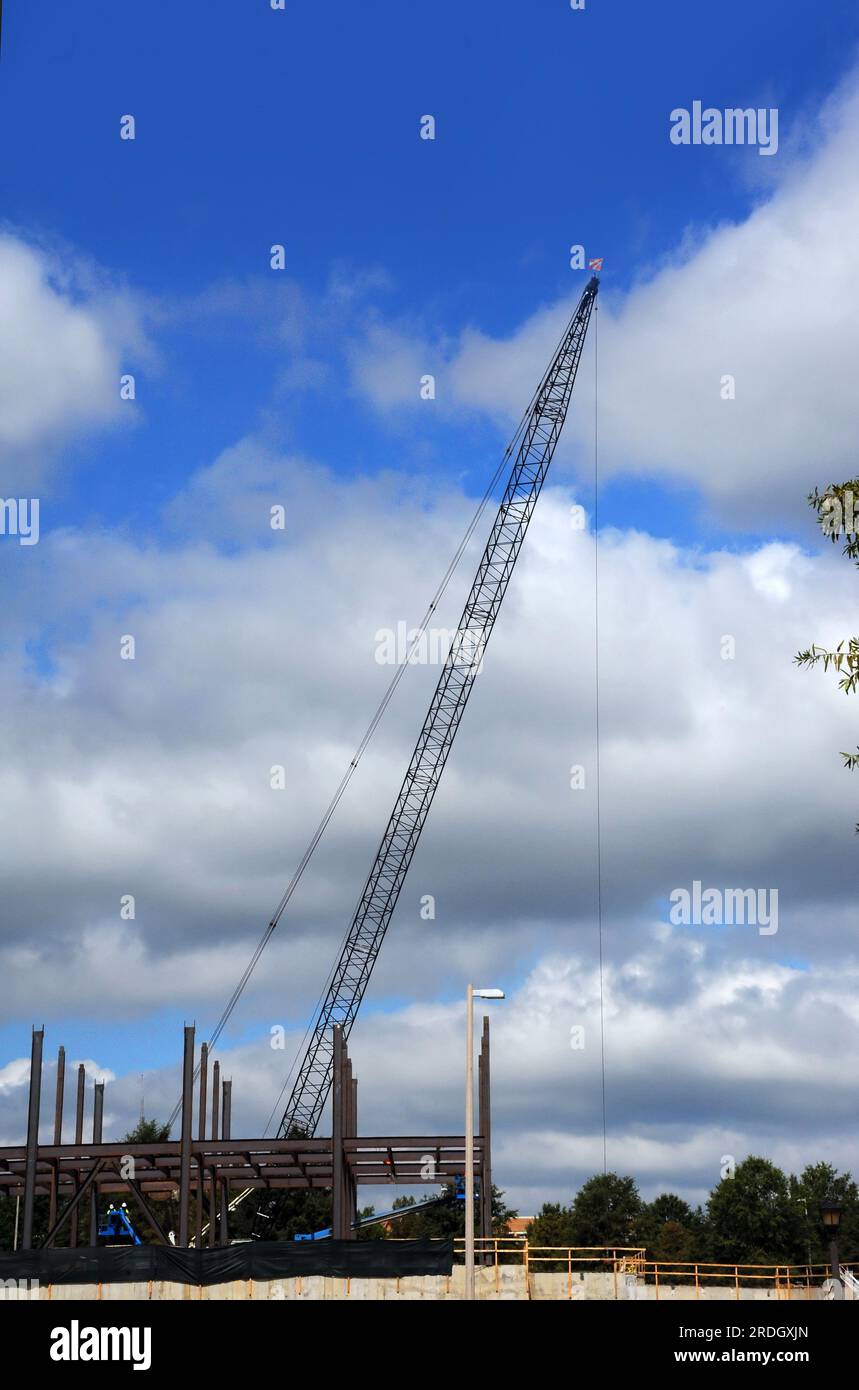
(359, 752)
(597, 730)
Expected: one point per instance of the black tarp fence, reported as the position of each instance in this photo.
(257, 1260)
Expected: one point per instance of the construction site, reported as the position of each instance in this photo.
(213, 1169)
(102, 1194)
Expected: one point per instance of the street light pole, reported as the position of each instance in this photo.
(830, 1212)
(471, 995)
(469, 1143)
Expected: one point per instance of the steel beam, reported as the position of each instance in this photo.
(72, 1208)
(147, 1211)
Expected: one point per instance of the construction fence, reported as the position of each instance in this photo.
(630, 1262)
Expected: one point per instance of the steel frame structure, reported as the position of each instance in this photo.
(86, 1168)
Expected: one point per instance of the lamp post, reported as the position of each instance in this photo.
(471, 995)
(803, 1203)
(830, 1215)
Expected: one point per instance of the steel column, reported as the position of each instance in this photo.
(201, 1134)
(58, 1128)
(226, 1115)
(32, 1135)
(213, 1194)
(97, 1125)
(337, 1163)
(350, 1132)
(355, 1136)
(79, 1134)
(185, 1141)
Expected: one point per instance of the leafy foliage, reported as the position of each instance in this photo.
(147, 1132)
(836, 510)
(606, 1211)
(553, 1225)
(670, 1230)
(752, 1217)
(820, 1182)
(758, 1216)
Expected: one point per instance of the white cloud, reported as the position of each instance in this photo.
(152, 777)
(250, 658)
(64, 335)
(14, 1074)
(735, 1063)
(772, 301)
(257, 648)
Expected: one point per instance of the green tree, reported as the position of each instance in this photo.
(669, 1207)
(553, 1225)
(147, 1132)
(753, 1218)
(606, 1211)
(820, 1182)
(838, 513)
(675, 1244)
(670, 1230)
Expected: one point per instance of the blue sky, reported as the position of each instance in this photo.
(405, 256)
(300, 127)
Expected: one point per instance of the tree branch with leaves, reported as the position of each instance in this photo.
(836, 510)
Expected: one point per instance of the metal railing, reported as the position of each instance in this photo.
(497, 1251)
(788, 1280)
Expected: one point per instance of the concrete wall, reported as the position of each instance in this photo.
(505, 1282)
(714, 1294)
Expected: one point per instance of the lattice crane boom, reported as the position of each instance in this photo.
(378, 900)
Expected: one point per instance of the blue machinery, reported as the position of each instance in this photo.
(117, 1228)
(396, 1212)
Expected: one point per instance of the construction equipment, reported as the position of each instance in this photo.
(537, 438)
(117, 1228)
(395, 1213)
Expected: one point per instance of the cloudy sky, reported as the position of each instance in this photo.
(253, 648)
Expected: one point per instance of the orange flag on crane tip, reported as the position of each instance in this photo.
(595, 264)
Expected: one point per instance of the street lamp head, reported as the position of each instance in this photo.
(830, 1215)
(488, 993)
